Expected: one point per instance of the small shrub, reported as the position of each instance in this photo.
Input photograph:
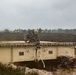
(5, 70)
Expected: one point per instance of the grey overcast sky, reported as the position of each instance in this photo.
(33, 14)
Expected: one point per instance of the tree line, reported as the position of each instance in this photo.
(67, 31)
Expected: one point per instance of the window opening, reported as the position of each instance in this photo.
(50, 52)
(75, 51)
(21, 53)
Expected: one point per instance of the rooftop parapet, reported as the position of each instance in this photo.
(42, 43)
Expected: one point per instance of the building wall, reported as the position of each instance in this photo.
(5, 54)
(23, 54)
(19, 54)
(66, 51)
(47, 53)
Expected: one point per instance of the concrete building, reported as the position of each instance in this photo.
(19, 51)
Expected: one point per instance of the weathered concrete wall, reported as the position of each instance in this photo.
(19, 53)
(28, 54)
(47, 53)
(5, 54)
(66, 51)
